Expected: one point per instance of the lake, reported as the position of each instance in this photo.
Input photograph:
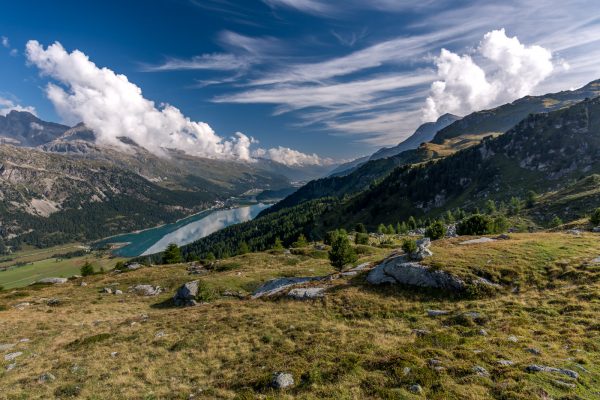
(182, 232)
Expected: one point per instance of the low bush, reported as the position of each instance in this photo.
(409, 246)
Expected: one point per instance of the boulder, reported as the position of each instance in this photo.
(6, 346)
(397, 270)
(422, 250)
(118, 292)
(276, 286)
(479, 370)
(53, 302)
(437, 313)
(596, 229)
(306, 293)
(505, 363)
(146, 290)
(106, 290)
(134, 266)
(83, 284)
(282, 380)
(596, 260)
(46, 377)
(356, 270)
(416, 388)
(54, 281)
(186, 294)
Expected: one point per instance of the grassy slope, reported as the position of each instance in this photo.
(354, 344)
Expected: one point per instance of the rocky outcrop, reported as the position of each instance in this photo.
(146, 290)
(306, 293)
(422, 250)
(282, 380)
(396, 270)
(278, 285)
(186, 294)
(54, 281)
(544, 368)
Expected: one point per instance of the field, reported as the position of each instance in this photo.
(358, 342)
(28, 266)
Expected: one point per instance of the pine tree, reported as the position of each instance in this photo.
(243, 248)
(300, 242)
(490, 207)
(341, 252)
(412, 223)
(277, 245)
(382, 229)
(87, 269)
(172, 254)
(390, 229)
(360, 228)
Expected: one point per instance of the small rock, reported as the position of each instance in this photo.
(106, 290)
(134, 266)
(24, 340)
(12, 356)
(534, 351)
(596, 229)
(506, 363)
(53, 302)
(282, 380)
(231, 293)
(416, 388)
(54, 281)
(46, 377)
(146, 290)
(512, 338)
(479, 370)
(596, 260)
(405, 371)
(544, 368)
(483, 332)
(503, 236)
(575, 232)
(118, 292)
(277, 285)
(306, 293)
(421, 332)
(10, 367)
(436, 313)
(83, 284)
(433, 362)
(21, 306)
(6, 346)
(114, 354)
(563, 384)
(159, 334)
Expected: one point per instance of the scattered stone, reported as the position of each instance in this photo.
(276, 286)
(160, 334)
(10, 367)
(483, 332)
(405, 371)
(575, 232)
(596, 229)
(106, 290)
(437, 313)
(53, 302)
(596, 260)
(486, 283)
(503, 236)
(186, 294)
(356, 270)
(134, 266)
(197, 269)
(307, 293)
(21, 306)
(421, 332)
(46, 377)
(54, 281)
(479, 370)
(146, 290)
(563, 384)
(12, 356)
(118, 292)
(230, 293)
(505, 363)
(434, 362)
(544, 368)
(114, 354)
(477, 241)
(534, 351)
(282, 380)
(512, 338)
(416, 388)
(6, 346)
(320, 247)
(395, 270)
(83, 284)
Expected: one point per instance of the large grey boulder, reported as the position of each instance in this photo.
(282, 380)
(477, 241)
(278, 285)
(55, 281)
(397, 270)
(186, 294)
(422, 249)
(306, 293)
(146, 290)
(544, 368)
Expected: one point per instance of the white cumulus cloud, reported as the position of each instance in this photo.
(291, 157)
(7, 106)
(114, 107)
(507, 71)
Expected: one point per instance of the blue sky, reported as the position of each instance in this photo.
(339, 79)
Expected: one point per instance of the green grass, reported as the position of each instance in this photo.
(15, 277)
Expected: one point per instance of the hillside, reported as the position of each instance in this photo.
(458, 135)
(357, 341)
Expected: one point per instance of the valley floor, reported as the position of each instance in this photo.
(358, 342)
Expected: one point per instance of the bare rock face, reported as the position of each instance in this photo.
(186, 294)
(278, 285)
(55, 281)
(397, 270)
(422, 250)
(146, 290)
(306, 293)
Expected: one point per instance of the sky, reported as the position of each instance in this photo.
(298, 81)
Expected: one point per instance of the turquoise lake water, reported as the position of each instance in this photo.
(182, 232)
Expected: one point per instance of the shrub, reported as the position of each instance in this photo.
(595, 218)
(361, 238)
(205, 292)
(119, 266)
(500, 224)
(476, 224)
(172, 255)
(87, 269)
(436, 230)
(300, 242)
(382, 229)
(341, 252)
(409, 246)
(360, 228)
(556, 222)
(243, 248)
(277, 245)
